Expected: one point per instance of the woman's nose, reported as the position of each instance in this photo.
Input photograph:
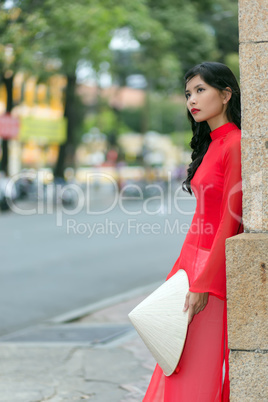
(192, 100)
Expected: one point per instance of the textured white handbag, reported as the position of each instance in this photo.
(161, 323)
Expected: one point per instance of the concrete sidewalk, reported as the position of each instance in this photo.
(116, 370)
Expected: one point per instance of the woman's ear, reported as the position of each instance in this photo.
(227, 94)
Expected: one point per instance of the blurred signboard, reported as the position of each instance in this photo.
(43, 131)
(9, 127)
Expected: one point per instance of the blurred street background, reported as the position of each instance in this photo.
(94, 146)
(47, 270)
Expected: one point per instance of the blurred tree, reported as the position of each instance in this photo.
(172, 35)
(73, 32)
(82, 31)
(232, 61)
(221, 16)
(106, 121)
(166, 116)
(197, 30)
(172, 42)
(193, 41)
(151, 58)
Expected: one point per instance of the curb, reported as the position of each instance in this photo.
(76, 314)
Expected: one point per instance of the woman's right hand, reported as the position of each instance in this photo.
(195, 302)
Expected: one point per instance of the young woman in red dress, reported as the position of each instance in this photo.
(214, 175)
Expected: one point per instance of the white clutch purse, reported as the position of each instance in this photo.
(161, 323)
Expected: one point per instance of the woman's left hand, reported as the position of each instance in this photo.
(195, 302)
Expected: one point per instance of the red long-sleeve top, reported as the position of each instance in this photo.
(217, 185)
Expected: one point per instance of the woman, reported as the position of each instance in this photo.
(214, 175)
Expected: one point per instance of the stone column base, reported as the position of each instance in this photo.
(248, 376)
(246, 269)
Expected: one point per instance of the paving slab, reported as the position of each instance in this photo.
(115, 371)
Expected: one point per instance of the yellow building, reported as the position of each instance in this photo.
(40, 108)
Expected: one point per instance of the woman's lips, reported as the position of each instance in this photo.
(193, 111)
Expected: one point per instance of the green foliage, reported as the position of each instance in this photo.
(154, 58)
(49, 36)
(107, 122)
(182, 138)
(167, 116)
(75, 31)
(221, 16)
(132, 118)
(18, 46)
(192, 40)
(232, 61)
(174, 35)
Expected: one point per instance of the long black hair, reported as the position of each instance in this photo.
(219, 76)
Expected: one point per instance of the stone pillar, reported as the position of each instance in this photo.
(247, 253)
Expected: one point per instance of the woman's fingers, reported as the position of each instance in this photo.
(191, 313)
(205, 300)
(195, 302)
(186, 304)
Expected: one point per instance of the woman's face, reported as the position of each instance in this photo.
(206, 103)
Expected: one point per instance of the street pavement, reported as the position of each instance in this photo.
(117, 369)
(47, 270)
(51, 347)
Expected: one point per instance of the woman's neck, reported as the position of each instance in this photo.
(217, 122)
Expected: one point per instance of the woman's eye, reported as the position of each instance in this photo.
(200, 90)
(187, 96)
